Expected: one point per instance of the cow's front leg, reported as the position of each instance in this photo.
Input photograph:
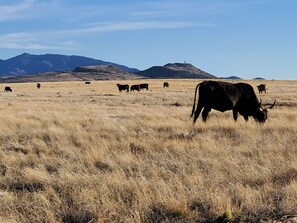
(235, 114)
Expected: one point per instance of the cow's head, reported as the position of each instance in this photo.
(261, 114)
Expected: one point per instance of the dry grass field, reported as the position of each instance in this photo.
(71, 152)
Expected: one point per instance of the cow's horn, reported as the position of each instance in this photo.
(271, 106)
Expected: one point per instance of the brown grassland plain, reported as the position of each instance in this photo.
(71, 152)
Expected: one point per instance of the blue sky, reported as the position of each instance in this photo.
(245, 38)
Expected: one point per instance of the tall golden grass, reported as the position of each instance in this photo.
(71, 152)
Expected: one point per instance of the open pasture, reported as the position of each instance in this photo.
(71, 152)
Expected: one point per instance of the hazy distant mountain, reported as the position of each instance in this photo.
(239, 78)
(83, 73)
(103, 72)
(231, 78)
(176, 70)
(26, 64)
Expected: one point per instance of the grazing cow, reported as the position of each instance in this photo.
(223, 96)
(38, 85)
(261, 88)
(87, 82)
(123, 87)
(165, 84)
(135, 87)
(7, 88)
(144, 86)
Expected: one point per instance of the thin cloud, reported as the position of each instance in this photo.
(35, 40)
(126, 26)
(34, 46)
(8, 12)
(185, 8)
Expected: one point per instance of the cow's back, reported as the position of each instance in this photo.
(247, 91)
(221, 96)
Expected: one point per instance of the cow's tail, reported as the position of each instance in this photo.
(194, 105)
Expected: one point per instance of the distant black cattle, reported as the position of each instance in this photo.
(222, 96)
(38, 85)
(123, 87)
(261, 88)
(135, 87)
(144, 86)
(165, 84)
(7, 88)
(87, 82)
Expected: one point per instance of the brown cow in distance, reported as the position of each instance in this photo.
(261, 88)
(165, 84)
(135, 87)
(38, 85)
(144, 86)
(7, 88)
(123, 87)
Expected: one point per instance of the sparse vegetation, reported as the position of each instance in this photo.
(71, 152)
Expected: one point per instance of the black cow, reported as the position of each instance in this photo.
(144, 86)
(87, 82)
(223, 96)
(135, 87)
(165, 84)
(123, 87)
(261, 88)
(7, 88)
(38, 85)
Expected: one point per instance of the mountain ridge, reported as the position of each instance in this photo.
(176, 70)
(28, 64)
(83, 73)
(29, 67)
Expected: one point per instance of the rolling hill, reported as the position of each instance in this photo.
(28, 64)
(176, 70)
(83, 73)
(55, 67)
(103, 72)
(231, 78)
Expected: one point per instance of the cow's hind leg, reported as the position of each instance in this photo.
(205, 112)
(197, 111)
